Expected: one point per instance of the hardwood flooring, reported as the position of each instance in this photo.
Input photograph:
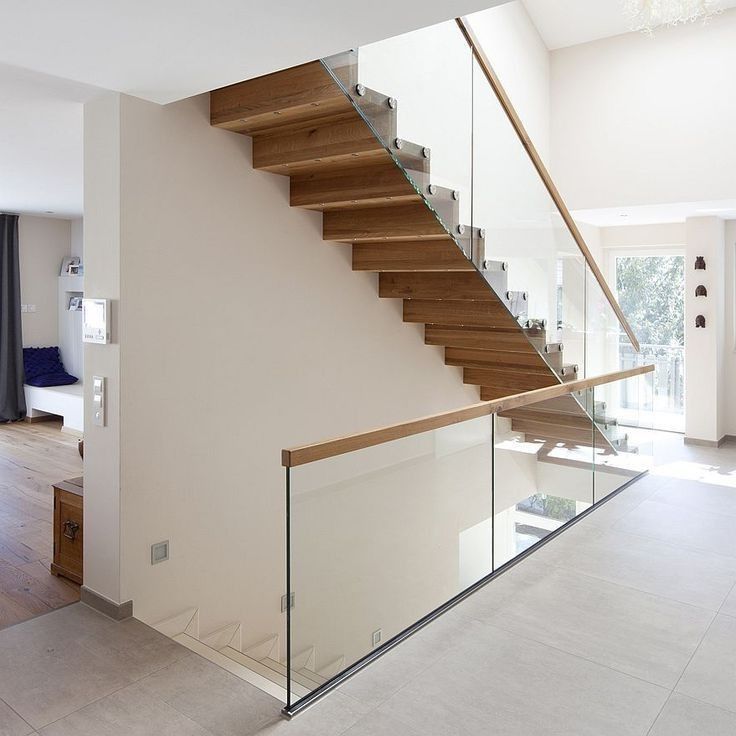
(32, 458)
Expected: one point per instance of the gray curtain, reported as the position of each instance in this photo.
(12, 400)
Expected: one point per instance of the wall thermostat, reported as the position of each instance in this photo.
(96, 321)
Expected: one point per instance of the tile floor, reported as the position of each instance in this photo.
(626, 624)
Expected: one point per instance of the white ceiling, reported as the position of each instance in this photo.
(166, 50)
(564, 23)
(657, 214)
(41, 143)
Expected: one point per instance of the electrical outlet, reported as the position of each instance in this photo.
(376, 637)
(23, 307)
(31, 307)
(283, 602)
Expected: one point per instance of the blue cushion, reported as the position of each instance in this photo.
(43, 367)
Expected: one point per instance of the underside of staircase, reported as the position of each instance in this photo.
(304, 126)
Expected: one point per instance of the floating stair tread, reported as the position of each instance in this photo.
(410, 255)
(512, 340)
(326, 142)
(301, 93)
(525, 380)
(402, 222)
(352, 186)
(463, 286)
(473, 358)
(471, 314)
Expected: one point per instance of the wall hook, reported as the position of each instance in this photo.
(700, 263)
(701, 290)
(700, 321)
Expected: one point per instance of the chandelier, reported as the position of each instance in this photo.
(646, 15)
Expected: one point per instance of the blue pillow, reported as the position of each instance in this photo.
(43, 367)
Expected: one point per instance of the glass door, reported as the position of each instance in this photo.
(651, 291)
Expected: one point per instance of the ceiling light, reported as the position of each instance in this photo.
(646, 15)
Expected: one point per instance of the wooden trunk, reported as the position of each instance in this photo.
(69, 529)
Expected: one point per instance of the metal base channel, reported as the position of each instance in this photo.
(308, 700)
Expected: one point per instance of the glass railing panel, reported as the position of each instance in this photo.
(524, 230)
(543, 472)
(415, 91)
(379, 538)
(604, 335)
(624, 440)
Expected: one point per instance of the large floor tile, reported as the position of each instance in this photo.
(711, 675)
(622, 503)
(212, 697)
(729, 605)
(376, 683)
(716, 499)
(128, 712)
(690, 576)
(47, 674)
(11, 724)
(684, 716)
(682, 526)
(503, 684)
(631, 631)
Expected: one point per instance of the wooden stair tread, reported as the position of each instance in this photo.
(452, 285)
(511, 338)
(304, 92)
(489, 313)
(473, 358)
(403, 222)
(362, 185)
(410, 255)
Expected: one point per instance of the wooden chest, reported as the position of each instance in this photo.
(68, 529)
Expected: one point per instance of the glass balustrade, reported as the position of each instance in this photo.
(385, 536)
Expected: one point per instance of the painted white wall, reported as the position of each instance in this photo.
(240, 332)
(522, 62)
(102, 202)
(78, 237)
(705, 349)
(43, 243)
(639, 120)
(729, 349)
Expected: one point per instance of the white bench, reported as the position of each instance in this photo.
(64, 401)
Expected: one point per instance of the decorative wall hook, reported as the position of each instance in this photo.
(701, 290)
(700, 321)
(700, 263)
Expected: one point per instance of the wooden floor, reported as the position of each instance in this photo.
(32, 457)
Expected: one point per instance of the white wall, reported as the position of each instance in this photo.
(639, 120)
(705, 347)
(78, 237)
(43, 243)
(729, 346)
(102, 280)
(240, 332)
(522, 62)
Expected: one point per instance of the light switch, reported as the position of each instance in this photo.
(98, 401)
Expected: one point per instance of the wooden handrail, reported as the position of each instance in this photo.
(339, 446)
(536, 159)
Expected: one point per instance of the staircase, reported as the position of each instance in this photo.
(259, 663)
(304, 126)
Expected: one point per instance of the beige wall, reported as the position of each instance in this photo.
(638, 121)
(240, 332)
(43, 242)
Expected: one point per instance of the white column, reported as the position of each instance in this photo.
(102, 280)
(705, 347)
